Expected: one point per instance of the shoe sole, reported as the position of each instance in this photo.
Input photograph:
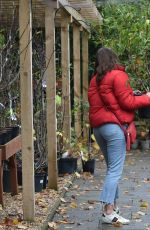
(103, 222)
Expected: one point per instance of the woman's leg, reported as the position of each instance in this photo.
(111, 139)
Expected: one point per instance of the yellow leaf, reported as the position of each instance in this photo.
(117, 224)
(59, 134)
(95, 145)
(93, 137)
(144, 204)
(15, 221)
(73, 205)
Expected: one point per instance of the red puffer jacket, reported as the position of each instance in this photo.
(117, 95)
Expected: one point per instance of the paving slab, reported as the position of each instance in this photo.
(82, 206)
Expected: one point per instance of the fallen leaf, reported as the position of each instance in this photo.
(91, 201)
(20, 226)
(127, 206)
(141, 213)
(117, 224)
(69, 182)
(63, 200)
(66, 188)
(138, 220)
(126, 191)
(52, 225)
(136, 216)
(77, 175)
(64, 222)
(144, 204)
(73, 205)
(15, 222)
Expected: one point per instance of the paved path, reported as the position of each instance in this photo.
(81, 207)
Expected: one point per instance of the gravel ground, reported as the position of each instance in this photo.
(11, 215)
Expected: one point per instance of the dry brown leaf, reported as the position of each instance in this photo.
(136, 216)
(101, 157)
(126, 191)
(141, 213)
(77, 175)
(63, 200)
(52, 225)
(117, 224)
(20, 226)
(69, 182)
(62, 211)
(91, 201)
(66, 189)
(64, 222)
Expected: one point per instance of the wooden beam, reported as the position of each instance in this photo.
(25, 30)
(77, 78)
(50, 75)
(50, 3)
(65, 64)
(77, 16)
(85, 37)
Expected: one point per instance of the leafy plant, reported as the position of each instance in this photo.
(125, 29)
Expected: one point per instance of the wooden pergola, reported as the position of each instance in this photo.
(49, 14)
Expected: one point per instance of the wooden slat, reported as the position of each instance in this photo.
(65, 64)
(77, 78)
(25, 29)
(85, 78)
(50, 76)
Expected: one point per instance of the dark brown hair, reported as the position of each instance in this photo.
(106, 60)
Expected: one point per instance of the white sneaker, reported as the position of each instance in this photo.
(114, 218)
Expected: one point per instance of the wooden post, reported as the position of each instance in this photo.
(50, 75)
(65, 65)
(85, 36)
(25, 29)
(77, 78)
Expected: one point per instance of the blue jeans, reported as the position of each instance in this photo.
(111, 140)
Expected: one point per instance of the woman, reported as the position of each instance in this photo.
(112, 102)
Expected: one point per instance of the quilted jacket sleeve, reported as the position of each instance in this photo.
(124, 93)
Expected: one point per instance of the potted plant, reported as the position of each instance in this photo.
(89, 150)
(67, 155)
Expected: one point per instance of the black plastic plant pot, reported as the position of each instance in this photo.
(144, 112)
(6, 181)
(67, 165)
(88, 166)
(4, 137)
(39, 178)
